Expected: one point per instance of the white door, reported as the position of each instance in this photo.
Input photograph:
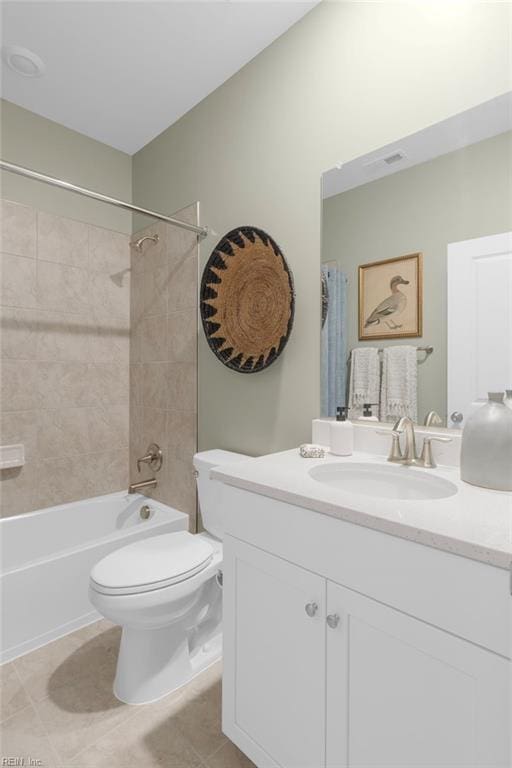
(479, 322)
(274, 658)
(403, 694)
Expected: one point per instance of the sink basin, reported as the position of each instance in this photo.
(386, 482)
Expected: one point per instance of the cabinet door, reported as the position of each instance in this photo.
(274, 658)
(401, 693)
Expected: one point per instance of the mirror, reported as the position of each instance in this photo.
(416, 272)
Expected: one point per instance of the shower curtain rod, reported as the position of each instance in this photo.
(201, 232)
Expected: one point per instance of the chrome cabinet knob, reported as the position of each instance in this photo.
(333, 620)
(457, 417)
(311, 609)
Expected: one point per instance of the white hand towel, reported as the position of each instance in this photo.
(399, 387)
(364, 379)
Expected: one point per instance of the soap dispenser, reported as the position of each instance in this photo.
(341, 433)
(368, 413)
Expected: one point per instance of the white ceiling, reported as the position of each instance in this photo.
(481, 122)
(122, 72)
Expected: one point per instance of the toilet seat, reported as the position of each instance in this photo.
(151, 564)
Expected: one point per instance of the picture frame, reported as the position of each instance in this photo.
(391, 298)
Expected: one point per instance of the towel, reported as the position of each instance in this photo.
(334, 343)
(399, 386)
(364, 379)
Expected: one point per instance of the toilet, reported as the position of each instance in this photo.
(165, 592)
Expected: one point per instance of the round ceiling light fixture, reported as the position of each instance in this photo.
(22, 61)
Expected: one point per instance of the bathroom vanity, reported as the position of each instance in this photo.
(361, 630)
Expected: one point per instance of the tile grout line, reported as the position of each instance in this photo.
(38, 716)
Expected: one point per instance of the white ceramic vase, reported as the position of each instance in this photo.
(486, 455)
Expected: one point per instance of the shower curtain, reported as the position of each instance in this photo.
(334, 342)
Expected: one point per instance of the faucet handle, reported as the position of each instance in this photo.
(395, 453)
(153, 457)
(427, 457)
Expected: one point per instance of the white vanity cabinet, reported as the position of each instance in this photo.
(318, 674)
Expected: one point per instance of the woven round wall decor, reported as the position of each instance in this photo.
(247, 300)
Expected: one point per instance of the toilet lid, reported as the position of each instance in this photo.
(151, 563)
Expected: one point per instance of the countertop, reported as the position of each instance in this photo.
(475, 522)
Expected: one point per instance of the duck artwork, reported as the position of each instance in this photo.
(393, 305)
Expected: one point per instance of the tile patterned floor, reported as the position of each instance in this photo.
(57, 707)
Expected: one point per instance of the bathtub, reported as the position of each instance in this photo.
(47, 557)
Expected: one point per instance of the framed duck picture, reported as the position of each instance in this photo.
(391, 298)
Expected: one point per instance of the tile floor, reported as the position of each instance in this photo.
(58, 710)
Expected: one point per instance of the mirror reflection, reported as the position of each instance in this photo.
(416, 273)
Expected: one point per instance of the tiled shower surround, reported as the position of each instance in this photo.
(66, 348)
(163, 359)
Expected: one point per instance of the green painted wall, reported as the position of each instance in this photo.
(42, 145)
(348, 78)
(455, 197)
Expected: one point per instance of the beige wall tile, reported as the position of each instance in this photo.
(183, 281)
(108, 298)
(63, 337)
(19, 385)
(107, 471)
(17, 229)
(61, 480)
(183, 482)
(62, 240)
(18, 279)
(64, 384)
(18, 333)
(181, 336)
(182, 386)
(182, 434)
(108, 426)
(154, 290)
(62, 288)
(108, 383)
(108, 341)
(155, 385)
(20, 427)
(108, 251)
(136, 380)
(66, 346)
(155, 429)
(63, 432)
(17, 490)
(153, 339)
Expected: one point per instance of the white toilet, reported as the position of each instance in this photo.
(165, 592)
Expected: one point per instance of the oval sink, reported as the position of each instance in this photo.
(384, 481)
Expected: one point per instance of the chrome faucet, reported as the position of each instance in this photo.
(409, 457)
(405, 425)
(144, 485)
(433, 419)
(153, 457)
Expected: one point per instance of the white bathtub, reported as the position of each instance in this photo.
(47, 557)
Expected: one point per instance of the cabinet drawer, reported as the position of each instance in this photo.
(465, 597)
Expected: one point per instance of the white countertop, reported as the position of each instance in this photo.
(474, 523)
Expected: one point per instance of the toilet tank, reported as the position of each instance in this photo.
(209, 491)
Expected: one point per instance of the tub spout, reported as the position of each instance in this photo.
(142, 485)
